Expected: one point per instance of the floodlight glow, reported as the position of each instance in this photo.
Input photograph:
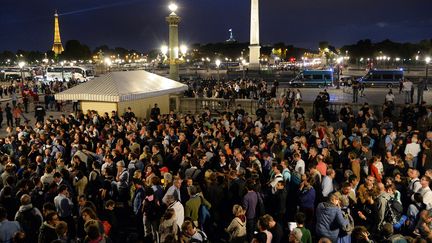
(218, 63)
(21, 64)
(164, 49)
(108, 61)
(427, 60)
(183, 49)
(173, 7)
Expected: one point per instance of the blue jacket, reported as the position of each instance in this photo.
(330, 221)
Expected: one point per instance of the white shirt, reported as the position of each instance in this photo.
(390, 97)
(179, 212)
(300, 167)
(427, 196)
(407, 86)
(327, 186)
(413, 149)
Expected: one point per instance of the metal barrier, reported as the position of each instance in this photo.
(219, 105)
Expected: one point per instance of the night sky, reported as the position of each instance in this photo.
(140, 24)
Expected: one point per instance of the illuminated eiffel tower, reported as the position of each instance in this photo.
(57, 46)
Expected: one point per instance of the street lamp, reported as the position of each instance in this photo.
(218, 63)
(183, 50)
(243, 67)
(108, 63)
(339, 61)
(62, 65)
(173, 7)
(427, 61)
(21, 66)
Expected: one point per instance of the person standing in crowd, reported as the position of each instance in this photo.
(1, 116)
(250, 201)
(7, 228)
(420, 90)
(40, 113)
(330, 220)
(9, 116)
(47, 232)
(355, 87)
(29, 217)
(237, 227)
(407, 86)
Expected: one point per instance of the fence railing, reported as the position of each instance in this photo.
(219, 105)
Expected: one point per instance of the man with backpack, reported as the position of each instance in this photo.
(29, 217)
(194, 234)
(381, 205)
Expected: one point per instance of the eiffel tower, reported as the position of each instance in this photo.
(57, 46)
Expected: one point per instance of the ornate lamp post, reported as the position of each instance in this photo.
(173, 21)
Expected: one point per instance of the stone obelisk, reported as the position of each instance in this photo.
(57, 46)
(254, 48)
(173, 21)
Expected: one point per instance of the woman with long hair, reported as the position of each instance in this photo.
(237, 227)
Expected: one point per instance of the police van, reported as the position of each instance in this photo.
(319, 78)
(387, 78)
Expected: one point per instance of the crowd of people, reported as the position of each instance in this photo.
(234, 177)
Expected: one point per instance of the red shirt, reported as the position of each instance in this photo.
(322, 168)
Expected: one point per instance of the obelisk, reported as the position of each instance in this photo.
(173, 21)
(254, 47)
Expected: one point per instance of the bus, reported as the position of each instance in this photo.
(14, 74)
(387, 78)
(67, 73)
(320, 78)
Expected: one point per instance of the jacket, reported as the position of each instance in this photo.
(237, 228)
(8, 229)
(193, 205)
(47, 233)
(381, 202)
(330, 221)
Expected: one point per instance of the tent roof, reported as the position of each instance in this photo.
(122, 86)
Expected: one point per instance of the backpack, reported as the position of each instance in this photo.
(350, 226)
(295, 178)
(203, 213)
(260, 207)
(106, 226)
(393, 212)
(203, 236)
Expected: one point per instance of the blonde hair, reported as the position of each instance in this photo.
(238, 210)
(409, 157)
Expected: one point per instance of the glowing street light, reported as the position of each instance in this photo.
(173, 7)
(339, 61)
(243, 67)
(164, 49)
(218, 63)
(183, 49)
(21, 66)
(427, 61)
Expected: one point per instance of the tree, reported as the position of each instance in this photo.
(74, 50)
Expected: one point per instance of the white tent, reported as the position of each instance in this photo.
(119, 90)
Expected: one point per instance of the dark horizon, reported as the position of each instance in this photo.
(140, 25)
